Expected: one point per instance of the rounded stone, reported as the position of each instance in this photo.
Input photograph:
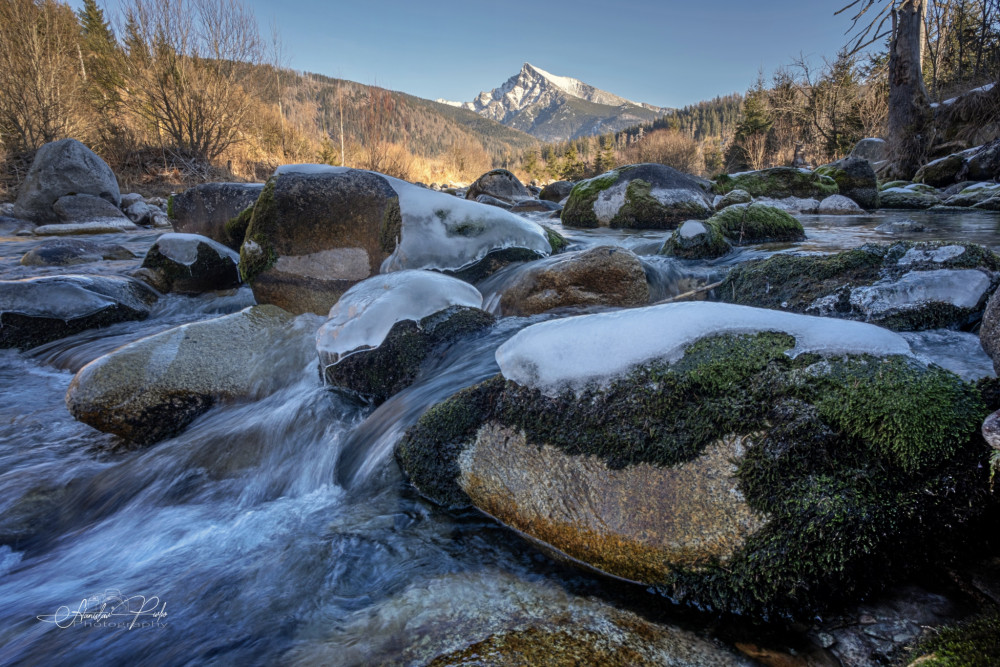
(60, 168)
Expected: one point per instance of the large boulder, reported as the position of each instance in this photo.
(601, 276)
(856, 179)
(696, 240)
(60, 168)
(39, 310)
(381, 330)
(905, 286)
(943, 171)
(190, 264)
(736, 459)
(984, 163)
(989, 332)
(779, 183)
(643, 196)
(839, 205)
(86, 208)
(499, 184)
(153, 388)
(745, 224)
(67, 252)
(913, 196)
(871, 149)
(556, 191)
(318, 230)
(973, 194)
(205, 209)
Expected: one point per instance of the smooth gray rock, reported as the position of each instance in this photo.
(190, 264)
(501, 184)
(39, 310)
(871, 149)
(86, 208)
(557, 191)
(205, 209)
(67, 252)
(61, 168)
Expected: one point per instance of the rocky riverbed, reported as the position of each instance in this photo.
(340, 418)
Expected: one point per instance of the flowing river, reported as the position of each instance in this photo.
(281, 531)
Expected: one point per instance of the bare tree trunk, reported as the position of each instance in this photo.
(909, 109)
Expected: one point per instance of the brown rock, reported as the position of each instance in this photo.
(601, 276)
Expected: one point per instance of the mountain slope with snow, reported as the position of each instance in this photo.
(558, 108)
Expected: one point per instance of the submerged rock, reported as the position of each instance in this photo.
(190, 264)
(779, 183)
(66, 252)
(493, 201)
(61, 168)
(745, 224)
(153, 388)
(696, 240)
(382, 329)
(601, 276)
(642, 196)
(499, 184)
(659, 456)
(905, 286)
(105, 226)
(205, 209)
(535, 206)
(39, 310)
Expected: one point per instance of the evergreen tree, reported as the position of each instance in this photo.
(573, 167)
(101, 55)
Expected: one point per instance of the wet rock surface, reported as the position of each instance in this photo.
(67, 252)
(205, 209)
(190, 264)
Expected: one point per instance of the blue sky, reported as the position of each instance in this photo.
(669, 53)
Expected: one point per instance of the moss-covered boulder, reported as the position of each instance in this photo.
(778, 183)
(856, 179)
(39, 310)
(905, 286)
(314, 234)
(642, 196)
(153, 388)
(984, 163)
(190, 264)
(499, 184)
(732, 197)
(205, 209)
(914, 196)
(974, 194)
(67, 252)
(696, 240)
(893, 184)
(941, 172)
(234, 232)
(727, 463)
(745, 224)
(991, 204)
(989, 332)
(381, 330)
(601, 276)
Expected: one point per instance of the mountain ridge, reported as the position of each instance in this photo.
(558, 108)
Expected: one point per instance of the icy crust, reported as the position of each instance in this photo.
(363, 316)
(573, 352)
(183, 248)
(443, 232)
(962, 288)
(64, 298)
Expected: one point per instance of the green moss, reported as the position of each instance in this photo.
(170, 207)
(557, 241)
(854, 462)
(974, 643)
(236, 228)
(703, 246)
(579, 209)
(641, 209)
(259, 256)
(912, 415)
(894, 184)
(756, 223)
(391, 229)
(778, 182)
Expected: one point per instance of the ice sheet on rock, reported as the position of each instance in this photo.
(58, 297)
(575, 351)
(963, 288)
(691, 229)
(183, 248)
(957, 351)
(363, 316)
(937, 255)
(441, 231)
(790, 204)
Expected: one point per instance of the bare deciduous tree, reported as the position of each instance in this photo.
(41, 83)
(187, 70)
